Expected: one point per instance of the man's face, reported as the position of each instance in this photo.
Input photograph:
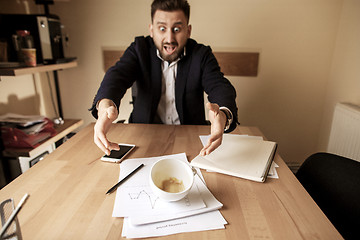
(170, 31)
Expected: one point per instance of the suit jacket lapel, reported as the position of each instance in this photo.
(180, 83)
(156, 76)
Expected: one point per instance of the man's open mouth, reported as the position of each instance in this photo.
(170, 49)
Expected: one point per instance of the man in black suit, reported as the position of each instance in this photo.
(171, 72)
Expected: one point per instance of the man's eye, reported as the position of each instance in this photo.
(162, 29)
(176, 29)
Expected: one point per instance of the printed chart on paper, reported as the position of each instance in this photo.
(134, 197)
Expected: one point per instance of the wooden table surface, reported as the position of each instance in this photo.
(67, 191)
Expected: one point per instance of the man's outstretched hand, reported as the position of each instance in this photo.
(107, 113)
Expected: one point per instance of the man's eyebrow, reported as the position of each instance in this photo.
(179, 23)
(164, 23)
(161, 23)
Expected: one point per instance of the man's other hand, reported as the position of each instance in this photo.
(218, 121)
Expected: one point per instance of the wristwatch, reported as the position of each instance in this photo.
(229, 117)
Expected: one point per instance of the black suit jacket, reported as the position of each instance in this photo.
(198, 71)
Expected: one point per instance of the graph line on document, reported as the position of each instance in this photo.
(136, 196)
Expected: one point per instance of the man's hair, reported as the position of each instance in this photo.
(169, 6)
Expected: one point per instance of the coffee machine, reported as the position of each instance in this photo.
(44, 31)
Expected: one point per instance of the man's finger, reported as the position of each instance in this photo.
(203, 150)
(208, 149)
(213, 107)
(212, 147)
(213, 143)
(101, 146)
(102, 138)
(113, 146)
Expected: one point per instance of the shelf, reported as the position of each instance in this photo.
(39, 68)
(62, 130)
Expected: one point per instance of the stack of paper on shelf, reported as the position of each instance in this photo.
(24, 131)
(240, 156)
(145, 215)
(21, 120)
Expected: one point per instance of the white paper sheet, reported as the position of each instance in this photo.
(201, 222)
(198, 219)
(135, 198)
(211, 204)
(272, 172)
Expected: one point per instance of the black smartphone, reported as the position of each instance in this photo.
(117, 156)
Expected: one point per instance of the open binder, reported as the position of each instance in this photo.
(240, 156)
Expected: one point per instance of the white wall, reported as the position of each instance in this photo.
(296, 40)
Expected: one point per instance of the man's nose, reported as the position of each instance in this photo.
(170, 36)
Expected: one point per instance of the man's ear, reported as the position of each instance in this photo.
(189, 31)
(151, 30)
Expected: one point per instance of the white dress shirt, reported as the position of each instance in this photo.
(167, 108)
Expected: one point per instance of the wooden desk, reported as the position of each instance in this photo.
(68, 201)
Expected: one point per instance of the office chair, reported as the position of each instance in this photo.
(133, 96)
(133, 93)
(334, 184)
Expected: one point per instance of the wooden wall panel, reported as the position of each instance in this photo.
(238, 63)
(111, 57)
(231, 63)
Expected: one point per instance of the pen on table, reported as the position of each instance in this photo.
(13, 215)
(124, 179)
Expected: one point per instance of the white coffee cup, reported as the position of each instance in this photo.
(179, 173)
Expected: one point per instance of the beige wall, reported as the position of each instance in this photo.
(344, 78)
(296, 40)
